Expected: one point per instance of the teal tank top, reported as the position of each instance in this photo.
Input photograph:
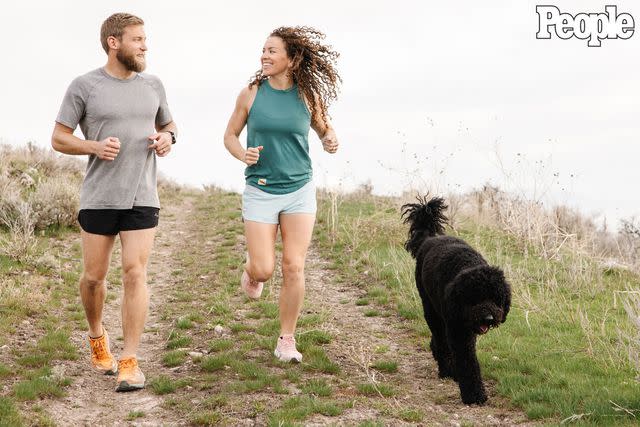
(279, 121)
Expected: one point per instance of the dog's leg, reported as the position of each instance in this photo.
(439, 346)
(463, 345)
(441, 353)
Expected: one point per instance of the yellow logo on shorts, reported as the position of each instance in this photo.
(262, 181)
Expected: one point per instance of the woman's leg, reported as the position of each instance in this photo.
(296, 230)
(261, 245)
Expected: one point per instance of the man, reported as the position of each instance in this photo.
(125, 119)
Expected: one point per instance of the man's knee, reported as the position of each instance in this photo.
(92, 280)
(134, 275)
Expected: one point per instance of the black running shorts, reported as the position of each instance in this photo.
(112, 221)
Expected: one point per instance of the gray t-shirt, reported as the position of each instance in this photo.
(130, 110)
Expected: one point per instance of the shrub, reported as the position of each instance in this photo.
(55, 202)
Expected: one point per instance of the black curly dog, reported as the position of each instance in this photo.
(462, 296)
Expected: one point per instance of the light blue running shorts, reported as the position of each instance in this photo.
(260, 206)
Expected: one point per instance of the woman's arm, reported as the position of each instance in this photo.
(237, 122)
(323, 128)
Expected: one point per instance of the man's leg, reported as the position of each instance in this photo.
(136, 248)
(96, 254)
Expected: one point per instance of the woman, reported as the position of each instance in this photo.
(288, 95)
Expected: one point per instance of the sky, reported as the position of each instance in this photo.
(435, 95)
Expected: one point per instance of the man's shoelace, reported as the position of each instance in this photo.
(127, 364)
(99, 348)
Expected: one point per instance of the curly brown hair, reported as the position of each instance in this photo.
(314, 67)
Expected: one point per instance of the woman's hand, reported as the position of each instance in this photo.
(330, 141)
(252, 155)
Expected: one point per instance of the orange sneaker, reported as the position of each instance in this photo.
(130, 377)
(101, 357)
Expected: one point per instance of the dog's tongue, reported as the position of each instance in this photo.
(484, 329)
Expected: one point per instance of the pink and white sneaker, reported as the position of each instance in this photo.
(286, 350)
(251, 287)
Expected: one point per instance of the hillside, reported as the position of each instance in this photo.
(569, 350)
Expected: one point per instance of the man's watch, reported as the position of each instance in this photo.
(173, 136)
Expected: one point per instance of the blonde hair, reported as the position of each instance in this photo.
(115, 25)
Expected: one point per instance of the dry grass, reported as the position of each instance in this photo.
(550, 232)
(631, 304)
(20, 242)
(55, 203)
(38, 189)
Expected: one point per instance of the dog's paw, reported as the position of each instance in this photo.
(477, 397)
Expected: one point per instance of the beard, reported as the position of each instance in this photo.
(130, 61)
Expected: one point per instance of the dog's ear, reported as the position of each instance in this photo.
(456, 296)
(497, 278)
(494, 275)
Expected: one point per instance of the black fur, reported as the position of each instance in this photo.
(462, 296)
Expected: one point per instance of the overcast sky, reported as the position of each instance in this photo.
(434, 94)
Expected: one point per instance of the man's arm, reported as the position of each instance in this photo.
(161, 140)
(64, 141)
(171, 126)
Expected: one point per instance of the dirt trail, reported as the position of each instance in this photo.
(91, 399)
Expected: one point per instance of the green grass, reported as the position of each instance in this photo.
(177, 340)
(301, 407)
(5, 371)
(385, 366)
(560, 351)
(174, 358)
(47, 298)
(214, 402)
(216, 363)
(239, 327)
(268, 328)
(381, 349)
(54, 345)
(9, 415)
(411, 415)
(220, 345)
(134, 415)
(184, 323)
(268, 309)
(313, 337)
(316, 359)
(310, 320)
(317, 387)
(165, 385)
(206, 418)
(40, 383)
(369, 389)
